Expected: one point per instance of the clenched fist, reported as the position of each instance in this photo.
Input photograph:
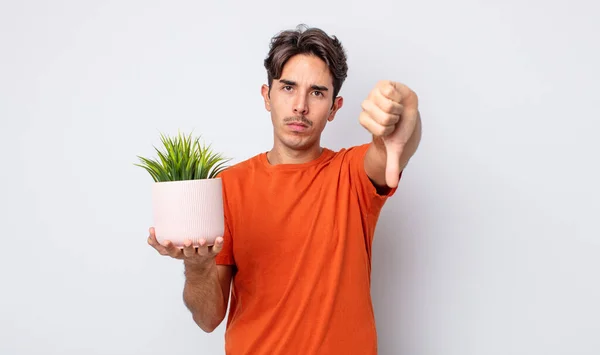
(391, 111)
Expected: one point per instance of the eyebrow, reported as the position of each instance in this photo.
(314, 87)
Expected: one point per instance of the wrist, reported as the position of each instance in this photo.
(198, 270)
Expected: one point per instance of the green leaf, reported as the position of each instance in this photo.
(183, 157)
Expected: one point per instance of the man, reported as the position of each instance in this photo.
(300, 218)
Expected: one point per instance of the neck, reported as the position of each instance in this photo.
(284, 155)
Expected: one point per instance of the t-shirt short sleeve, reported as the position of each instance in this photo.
(367, 192)
(225, 257)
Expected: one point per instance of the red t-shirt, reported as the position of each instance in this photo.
(300, 237)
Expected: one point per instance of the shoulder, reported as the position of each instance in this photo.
(240, 169)
(243, 175)
(351, 154)
(356, 149)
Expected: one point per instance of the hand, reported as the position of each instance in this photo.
(200, 255)
(391, 112)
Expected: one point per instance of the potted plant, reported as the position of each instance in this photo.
(187, 198)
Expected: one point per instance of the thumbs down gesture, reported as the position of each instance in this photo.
(391, 113)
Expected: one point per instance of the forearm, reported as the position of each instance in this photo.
(203, 296)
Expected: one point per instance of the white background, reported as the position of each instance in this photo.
(491, 245)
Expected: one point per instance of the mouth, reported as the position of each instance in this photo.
(297, 126)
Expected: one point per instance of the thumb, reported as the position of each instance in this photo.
(392, 167)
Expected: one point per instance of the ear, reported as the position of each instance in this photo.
(337, 104)
(264, 91)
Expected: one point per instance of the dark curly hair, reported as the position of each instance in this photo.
(306, 40)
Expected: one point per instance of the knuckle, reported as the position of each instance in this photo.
(387, 106)
(389, 119)
(387, 90)
(363, 119)
(365, 105)
(172, 251)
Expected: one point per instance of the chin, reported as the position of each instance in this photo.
(296, 141)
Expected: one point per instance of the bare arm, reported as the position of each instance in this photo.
(206, 293)
(391, 114)
(207, 285)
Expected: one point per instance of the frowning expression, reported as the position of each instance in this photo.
(301, 102)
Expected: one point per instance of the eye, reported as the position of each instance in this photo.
(287, 88)
(317, 93)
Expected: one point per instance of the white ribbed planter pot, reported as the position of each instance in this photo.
(189, 209)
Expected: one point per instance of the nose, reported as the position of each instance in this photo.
(300, 105)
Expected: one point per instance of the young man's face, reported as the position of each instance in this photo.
(301, 102)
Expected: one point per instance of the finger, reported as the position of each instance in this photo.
(387, 105)
(390, 90)
(217, 247)
(188, 249)
(409, 98)
(380, 116)
(152, 236)
(155, 244)
(392, 167)
(405, 130)
(172, 250)
(372, 126)
(202, 247)
(152, 240)
(407, 126)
